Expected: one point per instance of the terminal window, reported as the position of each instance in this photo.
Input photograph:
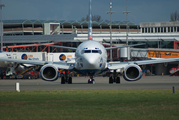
(158, 29)
(142, 30)
(175, 29)
(145, 30)
(168, 29)
(162, 29)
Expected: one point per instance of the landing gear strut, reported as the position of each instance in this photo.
(66, 78)
(114, 78)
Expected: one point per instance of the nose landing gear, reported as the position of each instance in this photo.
(91, 80)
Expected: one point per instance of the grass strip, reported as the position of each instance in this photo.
(90, 104)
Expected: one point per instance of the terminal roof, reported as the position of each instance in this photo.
(69, 22)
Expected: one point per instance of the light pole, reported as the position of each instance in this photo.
(110, 12)
(127, 12)
(1, 26)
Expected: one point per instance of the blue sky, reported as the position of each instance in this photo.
(142, 10)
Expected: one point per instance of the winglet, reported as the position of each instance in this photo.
(90, 23)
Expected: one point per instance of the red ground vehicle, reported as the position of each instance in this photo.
(174, 71)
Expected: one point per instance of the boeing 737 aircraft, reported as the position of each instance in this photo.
(91, 59)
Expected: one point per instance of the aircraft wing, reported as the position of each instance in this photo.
(122, 46)
(60, 65)
(118, 65)
(65, 47)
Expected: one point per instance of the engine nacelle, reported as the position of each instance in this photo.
(132, 72)
(49, 72)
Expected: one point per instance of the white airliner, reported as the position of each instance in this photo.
(91, 59)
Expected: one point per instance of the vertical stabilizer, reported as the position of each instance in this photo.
(90, 23)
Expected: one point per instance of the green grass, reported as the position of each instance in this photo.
(90, 104)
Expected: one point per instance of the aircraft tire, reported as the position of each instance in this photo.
(70, 80)
(62, 80)
(118, 80)
(93, 81)
(90, 81)
(110, 80)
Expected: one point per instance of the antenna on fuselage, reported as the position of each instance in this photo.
(90, 37)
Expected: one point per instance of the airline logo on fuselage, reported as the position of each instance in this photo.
(28, 57)
(90, 37)
(63, 57)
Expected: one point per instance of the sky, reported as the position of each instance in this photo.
(142, 11)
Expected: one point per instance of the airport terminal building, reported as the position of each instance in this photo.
(160, 37)
(42, 27)
(155, 35)
(161, 27)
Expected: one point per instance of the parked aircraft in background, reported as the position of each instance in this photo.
(4, 64)
(91, 59)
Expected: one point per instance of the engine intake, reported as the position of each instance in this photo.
(132, 72)
(49, 72)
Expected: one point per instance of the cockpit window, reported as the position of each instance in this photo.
(91, 51)
(87, 51)
(96, 51)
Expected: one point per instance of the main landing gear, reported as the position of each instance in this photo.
(114, 78)
(66, 78)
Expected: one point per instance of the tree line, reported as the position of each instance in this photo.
(94, 18)
(174, 16)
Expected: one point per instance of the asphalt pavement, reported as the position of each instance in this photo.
(102, 83)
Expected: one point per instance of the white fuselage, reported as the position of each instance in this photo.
(91, 57)
(5, 64)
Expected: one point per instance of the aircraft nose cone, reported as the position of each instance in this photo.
(92, 62)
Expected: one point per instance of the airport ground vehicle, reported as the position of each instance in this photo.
(174, 71)
(29, 73)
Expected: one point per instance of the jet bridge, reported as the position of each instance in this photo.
(154, 53)
(139, 53)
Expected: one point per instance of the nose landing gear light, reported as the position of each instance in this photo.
(91, 81)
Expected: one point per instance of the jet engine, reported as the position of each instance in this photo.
(132, 72)
(49, 72)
